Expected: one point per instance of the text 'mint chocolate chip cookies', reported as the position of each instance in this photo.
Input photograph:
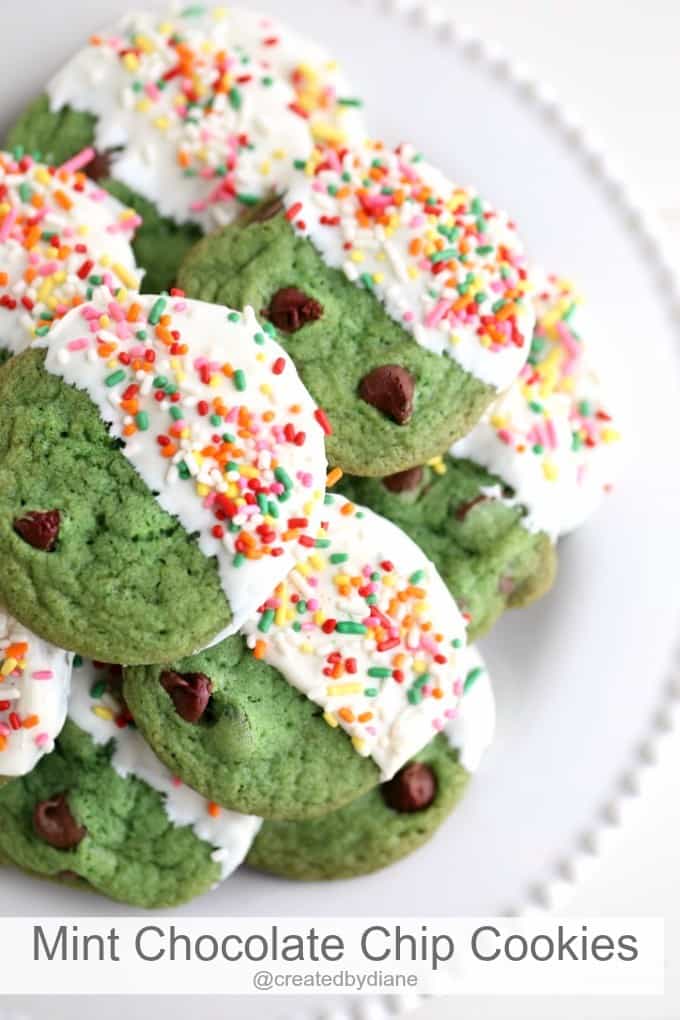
(401, 297)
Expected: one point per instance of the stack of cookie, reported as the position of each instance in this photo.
(287, 421)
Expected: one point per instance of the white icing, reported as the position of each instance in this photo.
(34, 685)
(230, 833)
(472, 731)
(214, 340)
(361, 230)
(155, 128)
(80, 215)
(527, 436)
(398, 727)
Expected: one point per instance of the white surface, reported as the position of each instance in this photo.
(629, 99)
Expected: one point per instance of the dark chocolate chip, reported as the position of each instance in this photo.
(40, 528)
(54, 823)
(99, 167)
(464, 509)
(404, 481)
(291, 309)
(389, 388)
(412, 789)
(267, 210)
(190, 693)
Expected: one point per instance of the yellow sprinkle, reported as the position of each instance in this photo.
(42, 176)
(419, 666)
(324, 132)
(144, 43)
(265, 169)
(316, 561)
(202, 489)
(304, 569)
(125, 276)
(359, 744)
(378, 277)
(341, 579)
(162, 123)
(331, 720)
(610, 435)
(413, 272)
(83, 230)
(358, 256)
(319, 617)
(282, 611)
(279, 154)
(143, 105)
(103, 713)
(307, 647)
(219, 13)
(104, 321)
(130, 61)
(550, 471)
(8, 666)
(265, 389)
(337, 690)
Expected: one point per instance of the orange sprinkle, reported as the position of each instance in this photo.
(260, 649)
(365, 717)
(30, 721)
(16, 651)
(213, 809)
(347, 715)
(347, 509)
(333, 477)
(62, 199)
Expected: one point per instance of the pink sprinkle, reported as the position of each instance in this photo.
(152, 91)
(176, 781)
(435, 316)
(437, 725)
(8, 223)
(78, 345)
(42, 739)
(78, 161)
(451, 713)
(313, 605)
(505, 436)
(42, 674)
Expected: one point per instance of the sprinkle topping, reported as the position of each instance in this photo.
(95, 707)
(34, 683)
(365, 627)
(60, 238)
(210, 108)
(213, 417)
(448, 267)
(550, 437)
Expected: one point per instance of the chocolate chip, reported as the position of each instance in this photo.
(290, 309)
(40, 528)
(389, 388)
(412, 789)
(54, 823)
(99, 168)
(190, 693)
(464, 509)
(267, 210)
(404, 481)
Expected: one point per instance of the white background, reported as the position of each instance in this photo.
(615, 62)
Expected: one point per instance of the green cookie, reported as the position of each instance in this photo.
(160, 244)
(367, 834)
(124, 581)
(489, 561)
(130, 851)
(259, 746)
(349, 335)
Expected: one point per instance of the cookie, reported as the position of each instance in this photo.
(348, 669)
(395, 819)
(400, 296)
(488, 560)
(34, 683)
(60, 237)
(190, 117)
(152, 456)
(552, 438)
(101, 808)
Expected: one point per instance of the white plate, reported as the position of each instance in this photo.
(580, 676)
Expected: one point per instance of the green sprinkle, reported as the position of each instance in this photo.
(240, 380)
(142, 421)
(266, 620)
(272, 509)
(259, 338)
(77, 661)
(299, 164)
(269, 328)
(176, 413)
(98, 689)
(183, 471)
(379, 672)
(476, 206)
(328, 499)
(115, 378)
(262, 502)
(371, 692)
(535, 406)
(238, 560)
(297, 626)
(585, 409)
(267, 81)
(245, 199)
(160, 382)
(537, 449)
(235, 98)
(375, 576)
(480, 297)
(367, 280)
(350, 101)
(371, 600)
(215, 419)
(350, 627)
(157, 310)
(497, 306)
(301, 607)
(228, 438)
(576, 442)
(25, 191)
(423, 679)
(484, 249)
(232, 466)
(336, 558)
(417, 577)
(471, 678)
(443, 256)
(95, 280)
(141, 334)
(414, 697)
(281, 475)
(456, 643)
(322, 543)
(193, 11)
(42, 330)
(234, 317)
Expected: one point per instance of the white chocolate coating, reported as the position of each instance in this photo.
(35, 677)
(472, 731)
